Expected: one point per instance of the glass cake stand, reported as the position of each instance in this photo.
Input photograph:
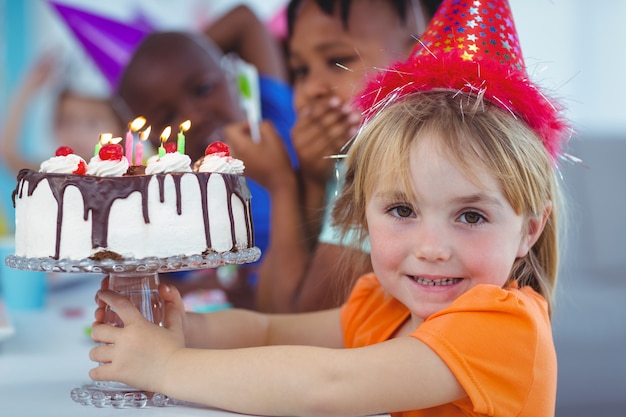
(137, 279)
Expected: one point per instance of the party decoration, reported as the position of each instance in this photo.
(247, 80)
(472, 47)
(108, 42)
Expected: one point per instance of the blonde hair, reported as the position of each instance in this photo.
(475, 134)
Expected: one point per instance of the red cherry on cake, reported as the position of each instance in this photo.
(64, 151)
(170, 147)
(111, 151)
(217, 148)
(81, 169)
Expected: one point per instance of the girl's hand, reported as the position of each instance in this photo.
(321, 130)
(136, 354)
(267, 162)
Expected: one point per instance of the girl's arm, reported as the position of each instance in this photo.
(241, 31)
(401, 374)
(236, 328)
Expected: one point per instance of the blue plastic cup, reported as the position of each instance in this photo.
(20, 290)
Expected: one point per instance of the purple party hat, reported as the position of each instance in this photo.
(109, 43)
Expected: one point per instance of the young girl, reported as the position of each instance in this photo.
(456, 190)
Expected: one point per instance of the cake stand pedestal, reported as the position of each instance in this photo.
(137, 279)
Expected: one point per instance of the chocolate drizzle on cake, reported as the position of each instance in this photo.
(99, 194)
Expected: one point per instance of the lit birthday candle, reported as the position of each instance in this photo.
(143, 136)
(133, 127)
(102, 140)
(184, 126)
(164, 136)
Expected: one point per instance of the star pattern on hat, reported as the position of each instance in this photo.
(477, 29)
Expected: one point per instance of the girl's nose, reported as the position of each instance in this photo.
(316, 85)
(431, 244)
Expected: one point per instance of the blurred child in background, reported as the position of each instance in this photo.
(81, 111)
(175, 76)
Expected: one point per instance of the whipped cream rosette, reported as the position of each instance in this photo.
(217, 159)
(110, 162)
(170, 162)
(65, 161)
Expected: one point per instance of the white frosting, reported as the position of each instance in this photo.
(170, 162)
(167, 233)
(221, 164)
(65, 164)
(107, 167)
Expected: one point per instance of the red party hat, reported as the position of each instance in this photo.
(471, 47)
(108, 42)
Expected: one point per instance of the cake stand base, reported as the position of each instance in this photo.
(102, 395)
(142, 289)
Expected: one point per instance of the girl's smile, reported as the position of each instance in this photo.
(435, 282)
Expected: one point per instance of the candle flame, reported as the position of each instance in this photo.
(145, 134)
(184, 126)
(166, 134)
(138, 123)
(105, 138)
(116, 140)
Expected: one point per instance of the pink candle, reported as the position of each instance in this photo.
(143, 136)
(129, 146)
(138, 153)
(134, 127)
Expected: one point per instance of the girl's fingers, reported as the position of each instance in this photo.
(99, 315)
(101, 373)
(174, 307)
(121, 305)
(173, 318)
(101, 353)
(103, 333)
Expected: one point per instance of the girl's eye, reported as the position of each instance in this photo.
(299, 73)
(401, 211)
(471, 217)
(164, 118)
(203, 89)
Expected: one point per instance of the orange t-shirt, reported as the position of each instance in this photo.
(497, 342)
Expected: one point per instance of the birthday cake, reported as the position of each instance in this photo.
(110, 209)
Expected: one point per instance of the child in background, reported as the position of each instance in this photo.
(81, 112)
(175, 76)
(452, 178)
(333, 45)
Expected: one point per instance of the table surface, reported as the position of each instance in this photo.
(47, 356)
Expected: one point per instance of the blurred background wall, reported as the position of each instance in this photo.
(574, 48)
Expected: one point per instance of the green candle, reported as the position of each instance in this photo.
(164, 136)
(102, 140)
(180, 145)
